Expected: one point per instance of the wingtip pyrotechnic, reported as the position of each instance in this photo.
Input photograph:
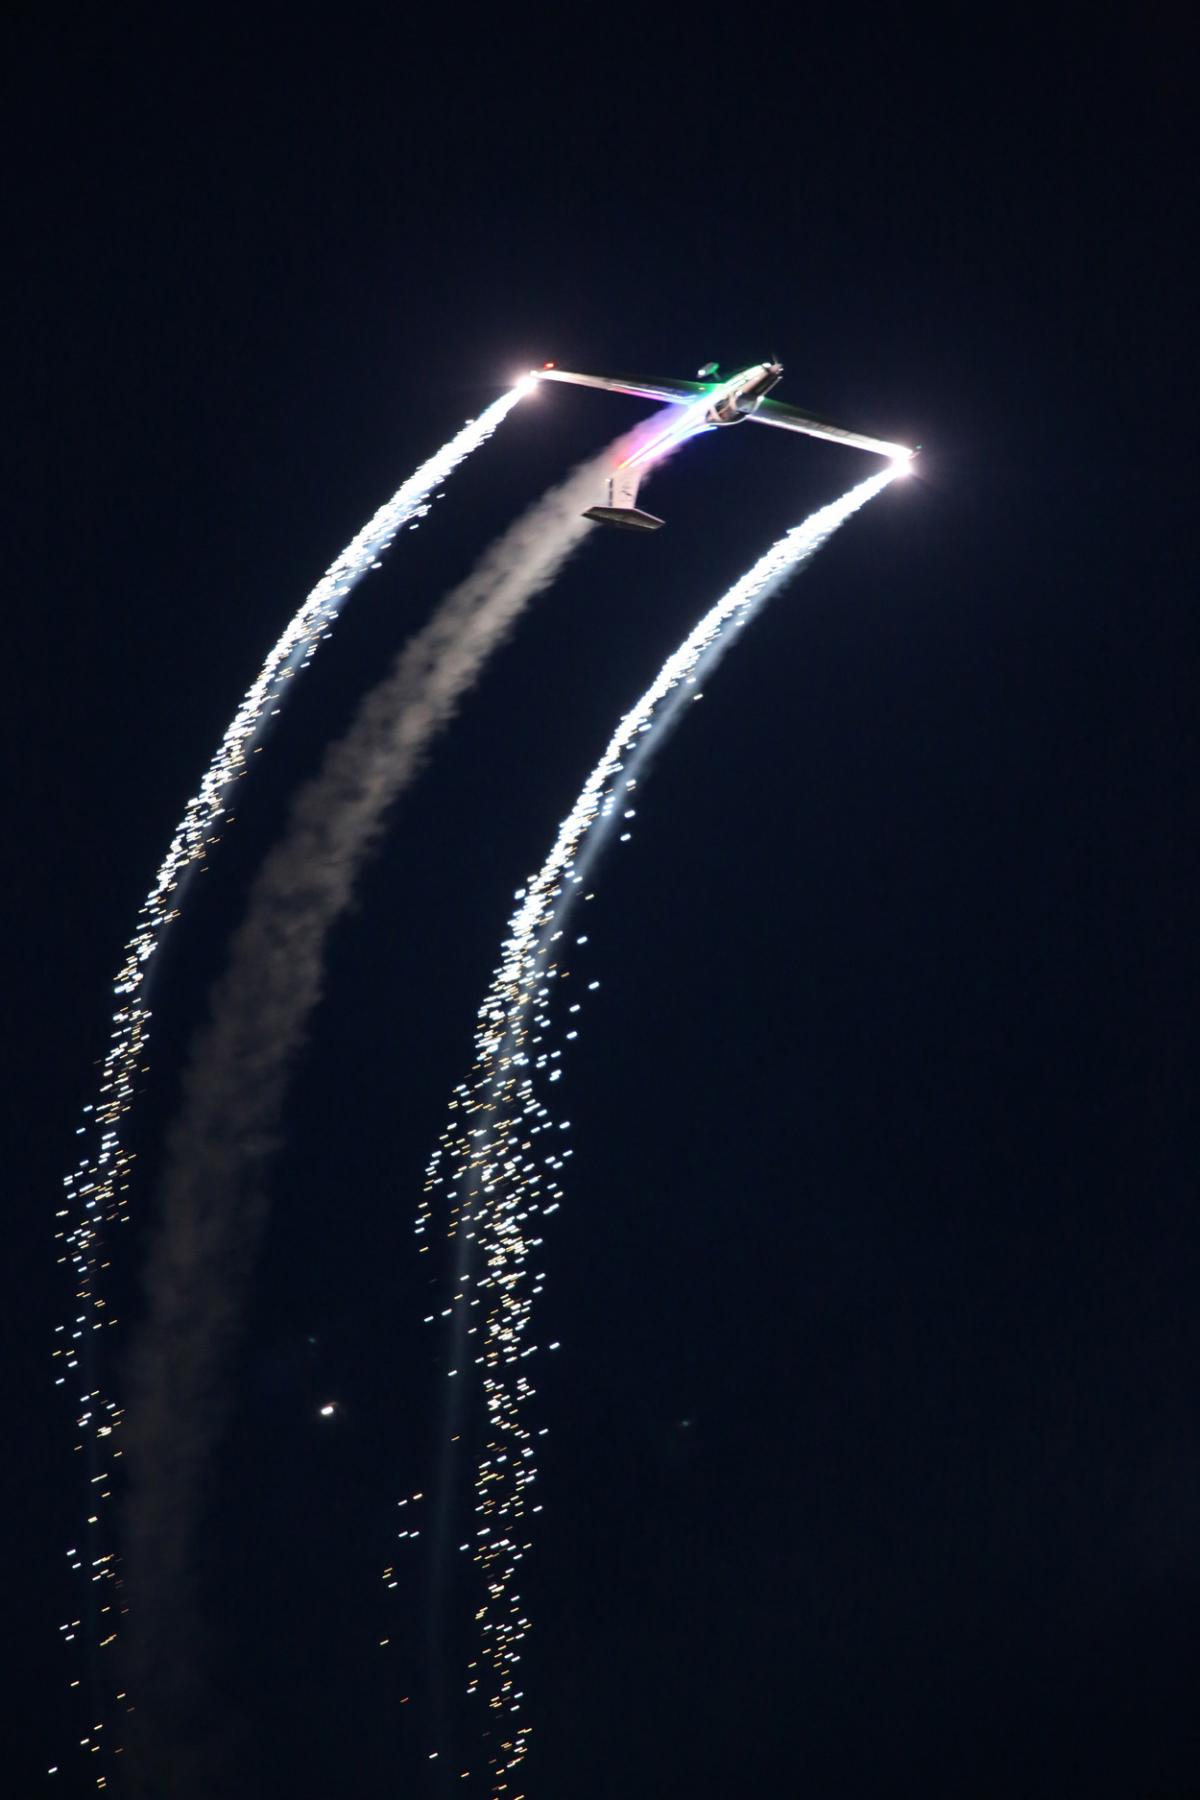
(499, 1165)
(501, 1158)
(96, 1192)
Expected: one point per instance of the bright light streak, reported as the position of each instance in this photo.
(96, 1194)
(495, 1169)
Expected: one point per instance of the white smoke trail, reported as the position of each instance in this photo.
(498, 1180)
(95, 1194)
(212, 1205)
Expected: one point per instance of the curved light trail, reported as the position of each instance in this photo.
(498, 1167)
(95, 1194)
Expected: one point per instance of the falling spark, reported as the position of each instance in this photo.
(498, 1169)
(213, 1202)
(95, 1194)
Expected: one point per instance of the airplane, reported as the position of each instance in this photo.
(707, 402)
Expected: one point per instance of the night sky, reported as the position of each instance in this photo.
(874, 1455)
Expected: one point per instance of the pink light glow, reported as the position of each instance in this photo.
(687, 422)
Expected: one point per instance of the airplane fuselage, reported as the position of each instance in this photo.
(735, 400)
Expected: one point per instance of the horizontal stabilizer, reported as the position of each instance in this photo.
(626, 516)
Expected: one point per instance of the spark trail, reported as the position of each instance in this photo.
(499, 1163)
(212, 1204)
(95, 1194)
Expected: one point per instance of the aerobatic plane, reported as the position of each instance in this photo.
(710, 401)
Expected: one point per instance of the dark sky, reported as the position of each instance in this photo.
(873, 1464)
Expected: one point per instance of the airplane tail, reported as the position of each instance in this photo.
(622, 508)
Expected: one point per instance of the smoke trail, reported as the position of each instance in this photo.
(95, 1194)
(212, 1205)
(498, 1180)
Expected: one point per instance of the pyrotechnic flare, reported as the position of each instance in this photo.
(212, 1204)
(498, 1167)
(96, 1193)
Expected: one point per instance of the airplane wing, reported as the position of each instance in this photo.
(790, 418)
(629, 384)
